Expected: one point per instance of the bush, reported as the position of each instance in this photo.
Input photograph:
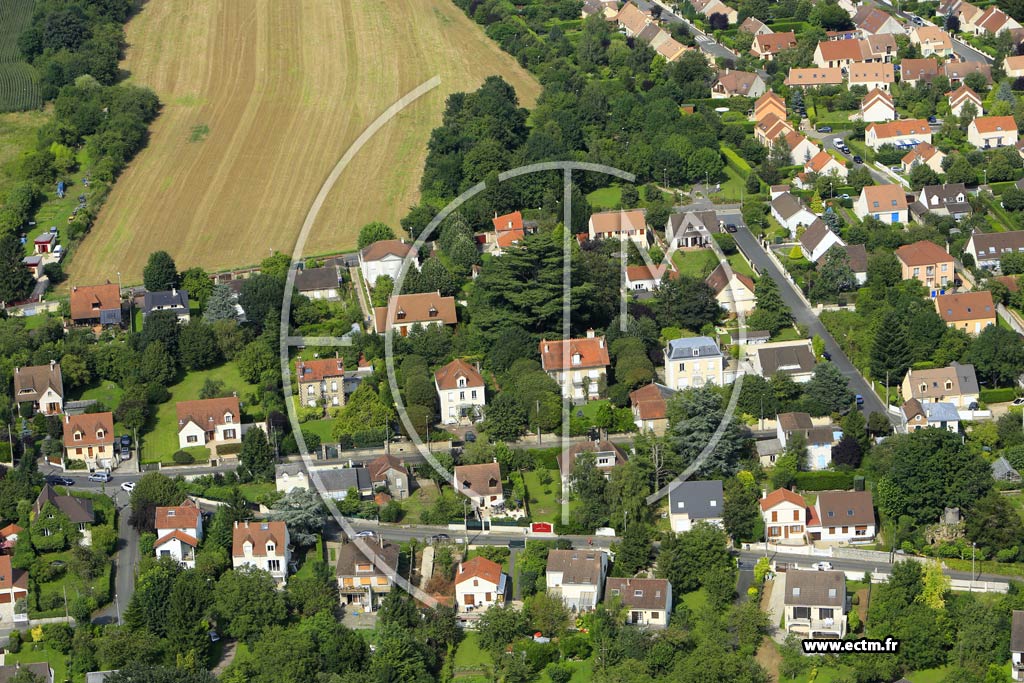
(75, 465)
(559, 673)
(183, 458)
(14, 642)
(59, 637)
(229, 448)
(391, 512)
(824, 481)
(997, 395)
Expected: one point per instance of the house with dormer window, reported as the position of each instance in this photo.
(263, 545)
(78, 510)
(460, 390)
(179, 530)
(647, 602)
(990, 132)
(480, 584)
(96, 305)
(815, 604)
(321, 382)
(42, 386)
(956, 384)
(365, 572)
(578, 365)
(695, 501)
(207, 420)
(405, 310)
(693, 362)
(481, 484)
(89, 437)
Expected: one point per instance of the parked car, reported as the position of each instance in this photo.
(126, 441)
(824, 129)
(857, 159)
(730, 227)
(128, 486)
(1019, 401)
(440, 538)
(56, 480)
(366, 534)
(838, 142)
(860, 401)
(103, 477)
(470, 437)
(822, 566)
(844, 196)
(826, 355)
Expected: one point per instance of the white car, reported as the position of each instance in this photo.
(365, 534)
(822, 566)
(1019, 401)
(128, 486)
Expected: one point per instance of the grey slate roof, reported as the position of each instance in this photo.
(350, 555)
(345, 478)
(578, 567)
(1017, 631)
(815, 588)
(40, 669)
(176, 298)
(1003, 470)
(941, 412)
(313, 279)
(698, 499)
(705, 347)
(787, 205)
(78, 510)
(786, 359)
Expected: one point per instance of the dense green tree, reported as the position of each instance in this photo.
(188, 604)
(261, 298)
(741, 512)
(828, 390)
(688, 559)
(197, 283)
(499, 626)
(374, 232)
(150, 603)
(153, 490)
(197, 345)
(158, 673)
(160, 272)
(890, 352)
(997, 355)
(246, 602)
(686, 302)
(994, 525)
(834, 275)
(254, 360)
(694, 417)
(506, 418)
(303, 513)
(588, 486)
(256, 461)
(220, 305)
(15, 281)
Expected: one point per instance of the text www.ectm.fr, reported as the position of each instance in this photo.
(822, 646)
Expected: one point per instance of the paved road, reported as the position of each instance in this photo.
(964, 52)
(125, 561)
(705, 42)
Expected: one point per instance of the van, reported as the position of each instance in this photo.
(604, 531)
(58, 251)
(103, 477)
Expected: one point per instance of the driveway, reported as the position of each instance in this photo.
(126, 558)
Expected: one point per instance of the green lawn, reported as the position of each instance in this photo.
(825, 674)
(309, 555)
(252, 492)
(34, 322)
(470, 657)
(107, 393)
(733, 189)
(322, 428)
(39, 652)
(161, 442)
(696, 601)
(787, 334)
(420, 500)
(605, 198)
(929, 675)
(590, 408)
(740, 265)
(695, 263)
(546, 509)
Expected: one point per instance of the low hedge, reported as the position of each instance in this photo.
(824, 481)
(736, 162)
(229, 448)
(997, 395)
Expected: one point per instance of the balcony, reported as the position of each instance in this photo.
(817, 628)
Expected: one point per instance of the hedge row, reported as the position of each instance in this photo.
(736, 162)
(824, 481)
(998, 395)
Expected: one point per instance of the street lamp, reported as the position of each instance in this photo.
(973, 546)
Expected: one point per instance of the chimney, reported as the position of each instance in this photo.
(236, 523)
(590, 333)
(600, 342)
(52, 363)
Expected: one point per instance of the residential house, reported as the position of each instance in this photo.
(481, 484)
(824, 163)
(509, 229)
(963, 96)
(813, 77)
(339, 482)
(96, 305)
(406, 310)
(791, 213)
(956, 384)
(880, 47)
(647, 602)
(785, 517)
(41, 671)
(290, 476)
(79, 511)
(210, 419)
(693, 362)
(650, 404)
(609, 9)
(733, 291)
(770, 128)
(1013, 66)
(817, 240)
(386, 257)
(989, 132)
(733, 83)
(769, 104)
(89, 437)
(801, 148)
(887, 203)
(815, 604)
(754, 27)
(40, 385)
(460, 389)
(839, 54)
(321, 382)
(632, 20)
(842, 517)
(923, 153)
(927, 262)
(607, 456)
(692, 501)
(13, 587)
(916, 71)
(366, 570)
(577, 577)
(767, 45)
(795, 359)
(820, 438)
(174, 300)
(179, 530)
(870, 20)
(578, 365)
(940, 415)
(956, 72)
(319, 283)
(619, 224)
(646, 278)
(710, 7)
(933, 41)
(690, 230)
(480, 584)
(9, 537)
(971, 312)
(1017, 645)
(857, 257)
(670, 48)
(388, 471)
(902, 133)
(877, 107)
(988, 248)
(994, 21)
(949, 199)
(966, 12)
(263, 545)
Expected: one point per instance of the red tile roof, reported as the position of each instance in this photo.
(965, 306)
(480, 568)
(258, 533)
(448, 376)
(593, 353)
(923, 253)
(892, 129)
(179, 535)
(319, 368)
(509, 221)
(88, 425)
(781, 495)
(208, 413)
(87, 302)
(184, 516)
(995, 124)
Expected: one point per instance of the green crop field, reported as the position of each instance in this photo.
(19, 82)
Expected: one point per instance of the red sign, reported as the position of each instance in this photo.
(541, 528)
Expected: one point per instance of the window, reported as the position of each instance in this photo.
(473, 394)
(271, 548)
(274, 565)
(801, 612)
(638, 594)
(462, 395)
(191, 439)
(229, 433)
(309, 390)
(228, 419)
(949, 385)
(615, 592)
(476, 583)
(825, 612)
(77, 436)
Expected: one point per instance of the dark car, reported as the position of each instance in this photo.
(858, 159)
(55, 480)
(730, 227)
(933, 119)
(440, 538)
(826, 355)
(824, 129)
(860, 401)
(470, 437)
(126, 441)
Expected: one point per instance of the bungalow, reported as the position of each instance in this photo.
(872, 21)
(645, 278)
(174, 300)
(902, 133)
(364, 576)
(290, 476)
(576, 577)
(824, 163)
(732, 83)
(389, 472)
(988, 248)
(815, 604)
(650, 405)
(89, 437)
(319, 283)
(887, 203)
(670, 48)
(877, 106)
(767, 45)
(460, 390)
(994, 21)
(209, 419)
(690, 502)
(791, 213)
(733, 291)
(839, 54)
(842, 517)
(480, 584)
(13, 587)
(407, 310)
(857, 256)
(647, 602)
(693, 362)
(817, 240)
(813, 77)
(79, 511)
(820, 439)
(619, 224)
(794, 359)
(321, 382)
(42, 386)
(956, 384)
(179, 530)
(693, 229)
(481, 484)
(989, 132)
(923, 153)
(263, 545)
(771, 128)
(916, 415)
(916, 71)
(956, 72)
(96, 305)
(578, 365)
(785, 517)
(607, 456)
(933, 41)
(927, 262)
(968, 311)
(769, 103)
(338, 483)
(950, 199)
(386, 258)
(754, 27)
(1013, 65)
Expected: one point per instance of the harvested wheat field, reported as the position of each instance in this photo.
(261, 99)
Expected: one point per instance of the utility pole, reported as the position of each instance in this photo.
(886, 391)
(538, 421)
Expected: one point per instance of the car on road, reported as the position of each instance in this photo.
(470, 437)
(366, 534)
(824, 129)
(860, 401)
(214, 636)
(933, 119)
(128, 486)
(822, 566)
(838, 142)
(857, 159)
(1019, 401)
(826, 355)
(844, 196)
(126, 441)
(440, 538)
(55, 480)
(730, 227)
(103, 477)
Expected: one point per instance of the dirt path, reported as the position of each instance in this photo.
(230, 647)
(769, 657)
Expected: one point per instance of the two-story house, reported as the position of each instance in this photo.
(263, 545)
(364, 576)
(870, 20)
(577, 577)
(769, 104)
(480, 584)
(96, 305)
(817, 240)
(631, 225)
(733, 83)
(877, 107)
(692, 501)
(901, 133)
(89, 437)
(820, 438)
(388, 471)
(872, 75)
(693, 229)
(886, 203)
(971, 312)
(650, 405)
(785, 517)
(988, 248)
(647, 602)
(481, 483)
(927, 262)
(386, 258)
(735, 292)
(42, 386)
(916, 71)
(957, 384)
(841, 517)
(990, 132)
(767, 45)
(173, 300)
(815, 604)
(405, 310)
(578, 365)
(933, 41)
(795, 359)
(321, 382)
(693, 362)
(825, 164)
(78, 510)
(607, 456)
(460, 390)
(923, 153)
(949, 199)
(961, 97)
(916, 415)
(209, 419)
(290, 476)
(13, 587)
(791, 213)
(179, 530)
